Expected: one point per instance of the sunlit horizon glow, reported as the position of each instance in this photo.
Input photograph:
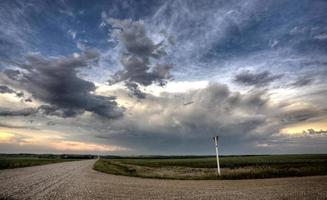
(55, 143)
(6, 137)
(300, 128)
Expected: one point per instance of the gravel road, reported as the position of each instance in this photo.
(77, 180)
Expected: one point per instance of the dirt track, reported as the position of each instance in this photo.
(77, 180)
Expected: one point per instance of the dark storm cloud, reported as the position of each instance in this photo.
(55, 82)
(57, 111)
(255, 79)
(312, 131)
(215, 110)
(5, 89)
(299, 115)
(43, 109)
(5, 125)
(134, 88)
(139, 55)
(23, 112)
(28, 100)
(12, 74)
(164, 124)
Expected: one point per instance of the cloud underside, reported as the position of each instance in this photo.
(169, 120)
(140, 56)
(256, 79)
(55, 83)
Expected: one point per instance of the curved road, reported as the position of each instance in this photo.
(77, 180)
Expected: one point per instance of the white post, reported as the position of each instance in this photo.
(216, 144)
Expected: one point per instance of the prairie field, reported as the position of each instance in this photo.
(232, 167)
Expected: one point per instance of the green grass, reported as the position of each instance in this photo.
(8, 161)
(225, 161)
(233, 167)
(112, 168)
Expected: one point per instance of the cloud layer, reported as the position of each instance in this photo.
(55, 82)
(256, 79)
(138, 56)
(165, 122)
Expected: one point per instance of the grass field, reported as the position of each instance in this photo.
(232, 167)
(8, 161)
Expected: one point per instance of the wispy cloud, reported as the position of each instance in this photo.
(255, 79)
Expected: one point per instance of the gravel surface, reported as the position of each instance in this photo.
(77, 180)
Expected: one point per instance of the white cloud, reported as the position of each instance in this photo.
(321, 36)
(72, 34)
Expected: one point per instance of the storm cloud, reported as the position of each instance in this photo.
(140, 57)
(312, 131)
(5, 89)
(21, 112)
(134, 88)
(255, 79)
(164, 120)
(55, 82)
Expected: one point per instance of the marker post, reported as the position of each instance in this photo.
(216, 144)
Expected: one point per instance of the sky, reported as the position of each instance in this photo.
(163, 77)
